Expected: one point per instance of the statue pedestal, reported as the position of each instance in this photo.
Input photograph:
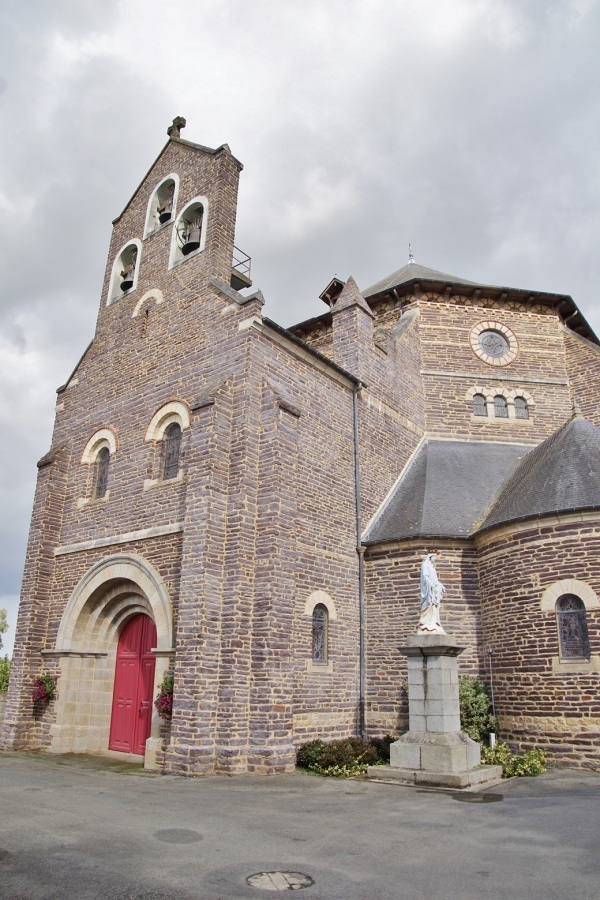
(435, 751)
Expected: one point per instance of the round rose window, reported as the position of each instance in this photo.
(494, 343)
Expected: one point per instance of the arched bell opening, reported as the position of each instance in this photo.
(189, 231)
(125, 271)
(162, 204)
(112, 595)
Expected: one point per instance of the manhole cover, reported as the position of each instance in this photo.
(478, 798)
(178, 836)
(279, 881)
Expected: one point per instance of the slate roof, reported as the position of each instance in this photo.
(560, 475)
(412, 271)
(446, 491)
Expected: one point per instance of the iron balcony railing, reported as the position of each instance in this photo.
(241, 262)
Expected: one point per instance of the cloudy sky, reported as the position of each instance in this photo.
(469, 128)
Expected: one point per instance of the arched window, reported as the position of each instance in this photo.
(572, 628)
(125, 270)
(189, 231)
(320, 621)
(162, 204)
(172, 442)
(500, 407)
(166, 433)
(521, 408)
(96, 456)
(101, 473)
(479, 405)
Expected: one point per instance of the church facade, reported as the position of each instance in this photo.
(247, 506)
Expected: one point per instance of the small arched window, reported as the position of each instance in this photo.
(521, 408)
(101, 473)
(479, 405)
(172, 442)
(572, 628)
(320, 622)
(500, 407)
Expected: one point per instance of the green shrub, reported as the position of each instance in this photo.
(533, 762)
(476, 717)
(500, 755)
(343, 758)
(4, 674)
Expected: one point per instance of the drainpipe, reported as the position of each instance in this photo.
(361, 573)
(490, 651)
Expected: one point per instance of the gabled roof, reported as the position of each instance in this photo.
(446, 490)
(560, 475)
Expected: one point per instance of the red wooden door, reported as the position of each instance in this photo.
(134, 684)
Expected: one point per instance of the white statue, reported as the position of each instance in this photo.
(431, 597)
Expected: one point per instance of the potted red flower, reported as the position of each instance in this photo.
(44, 688)
(164, 698)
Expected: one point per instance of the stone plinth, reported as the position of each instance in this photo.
(435, 750)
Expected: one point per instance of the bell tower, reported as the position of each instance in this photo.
(178, 228)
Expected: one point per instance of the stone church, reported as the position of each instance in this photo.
(247, 506)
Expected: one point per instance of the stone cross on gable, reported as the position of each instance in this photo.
(174, 130)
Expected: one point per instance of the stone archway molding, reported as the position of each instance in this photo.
(132, 571)
(323, 597)
(568, 586)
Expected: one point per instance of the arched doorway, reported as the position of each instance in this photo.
(134, 686)
(114, 592)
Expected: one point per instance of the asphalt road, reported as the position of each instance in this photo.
(82, 828)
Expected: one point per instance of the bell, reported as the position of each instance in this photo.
(166, 207)
(128, 274)
(192, 241)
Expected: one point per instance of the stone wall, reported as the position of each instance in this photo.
(450, 368)
(20, 729)
(541, 701)
(583, 366)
